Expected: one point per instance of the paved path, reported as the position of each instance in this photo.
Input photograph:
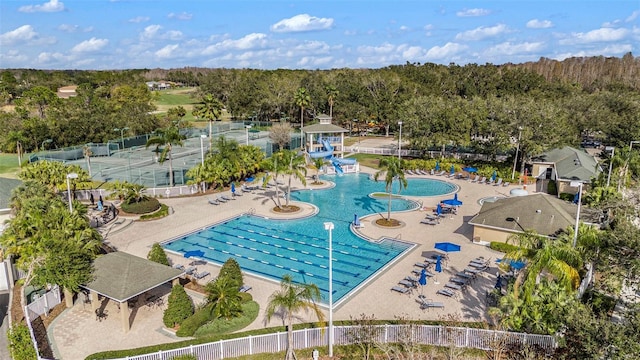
(75, 332)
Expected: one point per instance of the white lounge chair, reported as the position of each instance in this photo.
(482, 180)
(244, 288)
(498, 183)
(427, 304)
(505, 184)
(429, 222)
(222, 200)
(226, 197)
(400, 289)
(214, 202)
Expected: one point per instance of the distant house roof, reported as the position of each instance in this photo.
(570, 163)
(545, 214)
(121, 276)
(6, 187)
(66, 92)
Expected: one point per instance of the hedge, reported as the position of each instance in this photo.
(143, 207)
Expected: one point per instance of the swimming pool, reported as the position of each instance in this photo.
(271, 248)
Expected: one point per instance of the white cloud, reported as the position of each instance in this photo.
(181, 16)
(634, 15)
(482, 33)
(598, 35)
(90, 45)
(473, 12)
(139, 19)
(446, 51)
(251, 41)
(51, 6)
(172, 35)
(150, 32)
(539, 24)
(611, 50)
(23, 33)
(302, 22)
(383, 49)
(68, 28)
(167, 51)
(312, 61)
(508, 48)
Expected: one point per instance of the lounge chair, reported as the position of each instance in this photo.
(410, 172)
(201, 275)
(429, 222)
(498, 183)
(431, 217)
(490, 181)
(407, 283)
(451, 285)
(244, 288)
(427, 304)
(475, 178)
(422, 265)
(482, 180)
(246, 188)
(226, 197)
(446, 292)
(221, 199)
(459, 281)
(190, 270)
(505, 184)
(214, 202)
(432, 172)
(400, 289)
(178, 266)
(441, 173)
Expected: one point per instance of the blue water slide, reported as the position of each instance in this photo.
(327, 152)
(344, 161)
(336, 165)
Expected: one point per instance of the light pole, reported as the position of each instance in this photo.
(48, 141)
(69, 177)
(202, 137)
(122, 134)
(515, 158)
(575, 231)
(400, 141)
(248, 127)
(613, 150)
(329, 227)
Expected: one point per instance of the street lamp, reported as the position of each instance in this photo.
(613, 150)
(515, 158)
(510, 219)
(48, 141)
(575, 231)
(248, 127)
(122, 134)
(202, 137)
(400, 140)
(69, 177)
(329, 227)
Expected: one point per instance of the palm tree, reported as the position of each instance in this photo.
(332, 93)
(223, 293)
(167, 138)
(295, 166)
(289, 300)
(274, 166)
(302, 99)
(317, 164)
(210, 109)
(393, 168)
(544, 255)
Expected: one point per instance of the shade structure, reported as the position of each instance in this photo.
(447, 247)
(437, 166)
(453, 202)
(439, 263)
(193, 253)
(470, 169)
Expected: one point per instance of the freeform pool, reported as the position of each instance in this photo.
(271, 248)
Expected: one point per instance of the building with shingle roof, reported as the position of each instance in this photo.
(564, 165)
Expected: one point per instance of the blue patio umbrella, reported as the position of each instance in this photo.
(439, 209)
(249, 179)
(470, 169)
(423, 280)
(356, 220)
(452, 170)
(233, 188)
(498, 284)
(453, 202)
(494, 175)
(447, 247)
(193, 253)
(576, 197)
(439, 263)
(437, 165)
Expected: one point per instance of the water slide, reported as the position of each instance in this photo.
(327, 153)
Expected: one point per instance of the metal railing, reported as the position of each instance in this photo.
(344, 335)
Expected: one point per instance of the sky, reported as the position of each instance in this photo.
(308, 34)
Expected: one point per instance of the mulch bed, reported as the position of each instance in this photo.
(286, 209)
(388, 223)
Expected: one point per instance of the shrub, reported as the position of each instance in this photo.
(502, 247)
(20, 343)
(231, 268)
(143, 207)
(199, 318)
(552, 188)
(220, 326)
(157, 254)
(164, 211)
(180, 307)
(567, 196)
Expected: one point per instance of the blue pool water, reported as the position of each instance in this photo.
(271, 248)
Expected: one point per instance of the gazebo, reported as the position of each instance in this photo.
(324, 129)
(120, 277)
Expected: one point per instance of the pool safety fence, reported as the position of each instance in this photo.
(344, 335)
(38, 307)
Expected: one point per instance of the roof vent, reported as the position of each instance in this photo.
(538, 211)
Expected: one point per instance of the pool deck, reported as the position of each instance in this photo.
(76, 333)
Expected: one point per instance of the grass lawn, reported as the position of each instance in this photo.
(180, 97)
(9, 165)
(369, 160)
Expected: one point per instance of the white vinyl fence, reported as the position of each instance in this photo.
(344, 335)
(40, 306)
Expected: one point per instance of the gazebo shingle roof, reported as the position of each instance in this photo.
(323, 128)
(121, 276)
(570, 163)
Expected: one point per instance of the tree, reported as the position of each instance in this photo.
(157, 254)
(179, 307)
(224, 294)
(289, 300)
(392, 168)
(231, 269)
(275, 165)
(332, 93)
(302, 100)
(167, 137)
(210, 109)
(280, 134)
(295, 167)
(318, 163)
